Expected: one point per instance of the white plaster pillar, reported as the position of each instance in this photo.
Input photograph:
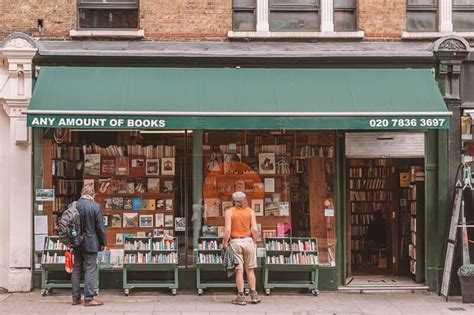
(445, 15)
(327, 16)
(262, 16)
(15, 93)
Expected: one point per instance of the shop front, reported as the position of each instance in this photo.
(320, 153)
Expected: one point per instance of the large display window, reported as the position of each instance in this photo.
(179, 183)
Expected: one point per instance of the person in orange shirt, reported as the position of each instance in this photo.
(241, 234)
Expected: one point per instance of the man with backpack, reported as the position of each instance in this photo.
(85, 255)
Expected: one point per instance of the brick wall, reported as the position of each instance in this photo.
(22, 15)
(382, 18)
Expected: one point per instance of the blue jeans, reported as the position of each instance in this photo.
(86, 263)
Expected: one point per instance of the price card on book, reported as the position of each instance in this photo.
(328, 212)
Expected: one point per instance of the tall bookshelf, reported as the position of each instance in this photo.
(369, 190)
(416, 250)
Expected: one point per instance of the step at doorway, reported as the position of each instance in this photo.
(381, 283)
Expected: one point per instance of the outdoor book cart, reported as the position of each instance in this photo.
(53, 262)
(157, 257)
(291, 254)
(209, 259)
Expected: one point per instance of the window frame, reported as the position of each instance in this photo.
(461, 8)
(80, 5)
(244, 8)
(299, 8)
(344, 9)
(423, 8)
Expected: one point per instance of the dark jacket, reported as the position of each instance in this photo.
(93, 229)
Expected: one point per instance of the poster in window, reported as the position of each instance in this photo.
(152, 166)
(167, 166)
(257, 206)
(266, 163)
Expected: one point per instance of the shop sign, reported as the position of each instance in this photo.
(144, 122)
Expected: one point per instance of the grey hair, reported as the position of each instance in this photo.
(241, 204)
(87, 190)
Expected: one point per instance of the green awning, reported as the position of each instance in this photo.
(232, 98)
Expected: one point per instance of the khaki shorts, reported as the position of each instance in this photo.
(246, 252)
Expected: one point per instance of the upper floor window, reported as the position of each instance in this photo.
(244, 15)
(422, 15)
(294, 15)
(106, 14)
(463, 15)
(344, 15)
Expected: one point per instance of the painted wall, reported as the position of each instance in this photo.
(4, 213)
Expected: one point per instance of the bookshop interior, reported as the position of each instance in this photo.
(149, 186)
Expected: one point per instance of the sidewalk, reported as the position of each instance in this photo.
(152, 303)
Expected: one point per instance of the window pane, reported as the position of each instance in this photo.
(463, 20)
(344, 4)
(295, 2)
(244, 3)
(463, 2)
(344, 21)
(421, 21)
(294, 21)
(243, 21)
(421, 2)
(103, 18)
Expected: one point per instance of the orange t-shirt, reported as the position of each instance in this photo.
(241, 222)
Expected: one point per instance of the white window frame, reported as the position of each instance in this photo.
(445, 24)
(326, 25)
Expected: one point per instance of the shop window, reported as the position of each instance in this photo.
(244, 15)
(344, 15)
(103, 14)
(294, 15)
(422, 15)
(463, 15)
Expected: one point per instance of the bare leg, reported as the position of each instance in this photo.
(239, 280)
(251, 278)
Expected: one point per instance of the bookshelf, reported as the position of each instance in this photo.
(52, 261)
(369, 189)
(291, 254)
(150, 255)
(416, 250)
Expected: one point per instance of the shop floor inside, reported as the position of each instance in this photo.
(160, 302)
(368, 283)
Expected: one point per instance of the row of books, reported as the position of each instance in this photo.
(136, 245)
(150, 151)
(369, 163)
(369, 207)
(359, 219)
(137, 203)
(316, 150)
(53, 244)
(360, 230)
(64, 168)
(136, 185)
(370, 195)
(62, 202)
(271, 148)
(357, 244)
(372, 171)
(209, 258)
(304, 245)
(98, 165)
(294, 259)
(359, 183)
(148, 258)
(67, 186)
(242, 149)
(53, 258)
(209, 245)
(65, 152)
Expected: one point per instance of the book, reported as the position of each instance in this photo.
(103, 260)
(152, 167)
(167, 186)
(153, 185)
(141, 234)
(179, 224)
(169, 220)
(146, 220)
(116, 258)
(266, 163)
(257, 206)
(116, 221)
(272, 205)
(127, 203)
(118, 238)
(211, 207)
(148, 204)
(92, 164)
(269, 184)
(284, 209)
(130, 220)
(121, 166)
(137, 166)
(283, 229)
(220, 231)
(105, 186)
(167, 166)
(159, 220)
(105, 219)
(137, 203)
(160, 204)
(117, 203)
(108, 166)
(108, 203)
(119, 185)
(140, 185)
(169, 204)
(209, 231)
(130, 187)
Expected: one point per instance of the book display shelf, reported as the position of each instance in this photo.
(291, 254)
(369, 191)
(416, 226)
(150, 255)
(52, 263)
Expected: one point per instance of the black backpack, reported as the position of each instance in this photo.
(69, 227)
